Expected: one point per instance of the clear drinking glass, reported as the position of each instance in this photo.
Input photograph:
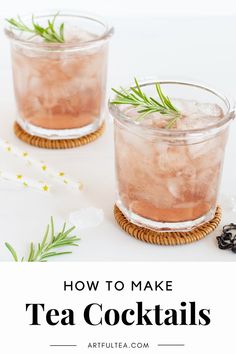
(60, 87)
(168, 179)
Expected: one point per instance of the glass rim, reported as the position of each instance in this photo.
(108, 30)
(116, 112)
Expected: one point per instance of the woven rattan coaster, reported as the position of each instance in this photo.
(167, 238)
(56, 144)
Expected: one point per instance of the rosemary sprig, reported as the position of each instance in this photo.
(146, 105)
(49, 33)
(48, 247)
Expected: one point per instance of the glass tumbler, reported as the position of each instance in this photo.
(60, 87)
(168, 179)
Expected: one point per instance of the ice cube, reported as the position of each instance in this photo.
(197, 115)
(182, 186)
(186, 107)
(85, 218)
(210, 109)
(75, 34)
(174, 159)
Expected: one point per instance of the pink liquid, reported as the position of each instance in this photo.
(59, 90)
(170, 182)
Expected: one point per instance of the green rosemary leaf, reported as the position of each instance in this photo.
(134, 96)
(38, 250)
(48, 247)
(52, 229)
(49, 33)
(62, 244)
(54, 18)
(160, 94)
(12, 251)
(54, 254)
(155, 102)
(31, 253)
(66, 233)
(44, 239)
(63, 229)
(62, 31)
(172, 122)
(138, 87)
(120, 94)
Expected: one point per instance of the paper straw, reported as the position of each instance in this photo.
(25, 181)
(58, 176)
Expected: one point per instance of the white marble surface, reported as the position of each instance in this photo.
(201, 49)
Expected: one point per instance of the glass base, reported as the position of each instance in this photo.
(59, 134)
(183, 226)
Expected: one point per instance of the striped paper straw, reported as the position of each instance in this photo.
(25, 181)
(58, 176)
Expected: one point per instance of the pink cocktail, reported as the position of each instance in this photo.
(168, 179)
(60, 87)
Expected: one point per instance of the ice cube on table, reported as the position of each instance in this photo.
(85, 218)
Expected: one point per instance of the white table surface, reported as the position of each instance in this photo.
(201, 49)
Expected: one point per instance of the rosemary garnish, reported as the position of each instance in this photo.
(49, 34)
(135, 97)
(47, 248)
